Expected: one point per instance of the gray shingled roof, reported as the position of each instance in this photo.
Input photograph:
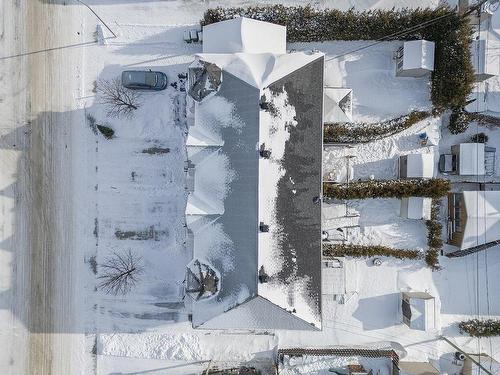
(299, 217)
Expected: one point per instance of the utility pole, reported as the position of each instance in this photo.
(466, 355)
(99, 18)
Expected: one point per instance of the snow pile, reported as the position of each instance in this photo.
(381, 224)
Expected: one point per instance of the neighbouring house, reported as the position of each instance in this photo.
(416, 208)
(254, 149)
(418, 310)
(474, 218)
(417, 368)
(337, 105)
(416, 166)
(415, 58)
(490, 364)
(469, 159)
(485, 61)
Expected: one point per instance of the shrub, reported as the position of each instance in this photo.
(433, 188)
(453, 75)
(365, 132)
(434, 240)
(459, 121)
(361, 251)
(479, 138)
(480, 328)
(106, 131)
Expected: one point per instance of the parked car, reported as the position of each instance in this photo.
(144, 80)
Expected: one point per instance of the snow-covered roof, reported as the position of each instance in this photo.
(484, 60)
(419, 165)
(337, 105)
(277, 191)
(418, 54)
(259, 69)
(422, 310)
(244, 35)
(482, 224)
(416, 208)
(471, 159)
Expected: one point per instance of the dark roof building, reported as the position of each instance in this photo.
(255, 153)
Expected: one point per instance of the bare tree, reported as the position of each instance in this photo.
(118, 100)
(120, 273)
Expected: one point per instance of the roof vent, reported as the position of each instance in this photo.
(263, 227)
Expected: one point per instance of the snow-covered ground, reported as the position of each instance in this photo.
(126, 190)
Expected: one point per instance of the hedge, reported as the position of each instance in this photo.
(480, 328)
(453, 75)
(433, 188)
(362, 251)
(434, 240)
(367, 132)
(460, 120)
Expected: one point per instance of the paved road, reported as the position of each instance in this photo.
(39, 296)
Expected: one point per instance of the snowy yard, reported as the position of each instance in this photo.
(137, 201)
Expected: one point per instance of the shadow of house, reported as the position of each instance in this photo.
(381, 311)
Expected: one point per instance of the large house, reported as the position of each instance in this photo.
(474, 218)
(254, 146)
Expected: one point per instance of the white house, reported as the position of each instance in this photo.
(337, 105)
(466, 159)
(418, 310)
(416, 166)
(244, 35)
(474, 218)
(485, 61)
(416, 208)
(415, 58)
(233, 186)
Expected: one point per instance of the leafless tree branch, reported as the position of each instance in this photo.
(119, 101)
(120, 273)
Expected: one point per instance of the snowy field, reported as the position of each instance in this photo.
(130, 191)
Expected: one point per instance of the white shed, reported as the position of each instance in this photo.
(244, 35)
(418, 310)
(416, 166)
(337, 104)
(416, 208)
(485, 61)
(470, 158)
(415, 58)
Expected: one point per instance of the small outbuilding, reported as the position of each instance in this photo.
(337, 105)
(416, 208)
(418, 310)
(486, 62)
(415, 58)
(416, 166)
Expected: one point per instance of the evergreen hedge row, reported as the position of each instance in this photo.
(432, 188)
(460, 120)
(434, 240)
(453, 74)
(368, 132)
(480, 328)
(362, 251)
